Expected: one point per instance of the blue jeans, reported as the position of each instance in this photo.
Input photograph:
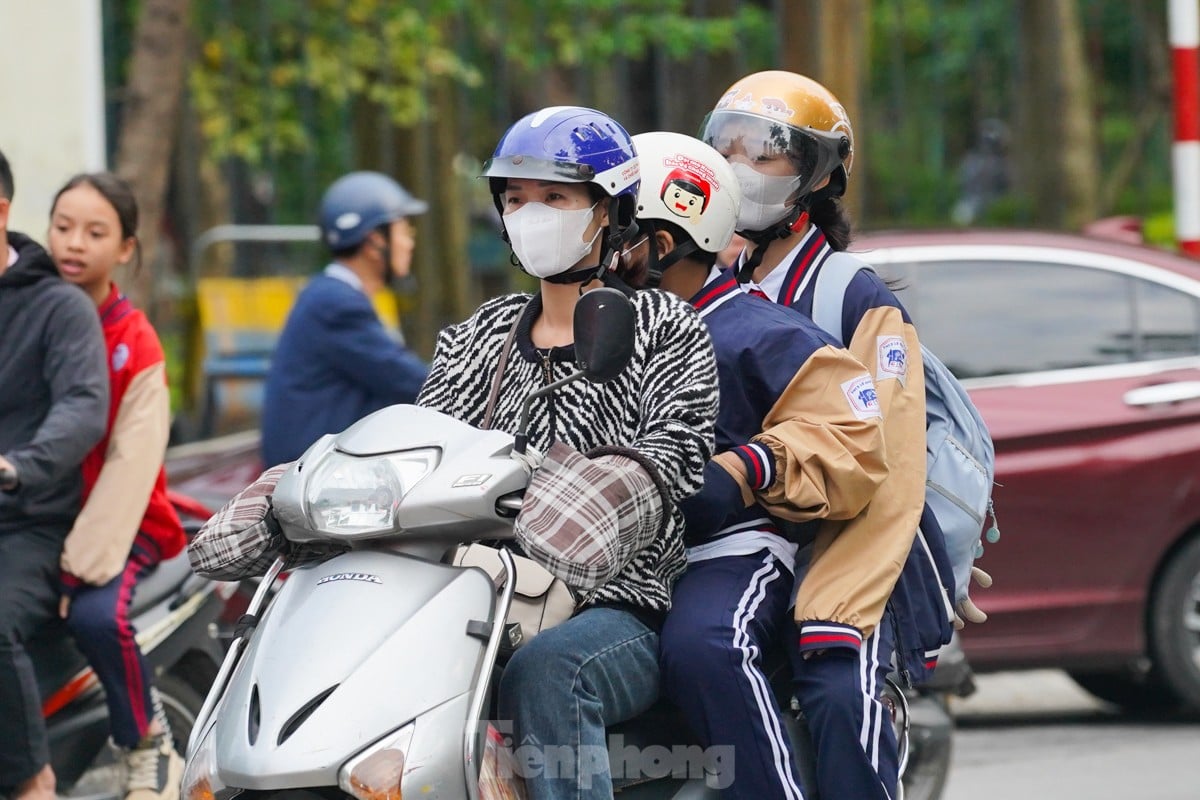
(564, 687)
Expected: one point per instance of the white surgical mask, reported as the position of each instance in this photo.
(549, 241)
(764, 197)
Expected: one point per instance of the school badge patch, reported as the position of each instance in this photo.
(860, 393)
(892, 359)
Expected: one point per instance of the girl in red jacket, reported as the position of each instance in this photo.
(127, 525)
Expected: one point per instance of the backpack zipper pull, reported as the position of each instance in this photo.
(993, 533)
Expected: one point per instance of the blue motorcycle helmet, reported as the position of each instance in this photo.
(572, 144)
(360, 202)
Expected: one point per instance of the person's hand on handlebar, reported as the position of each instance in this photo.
(8, 475)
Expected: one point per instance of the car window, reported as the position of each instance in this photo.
(999, 318)
(1168, 322)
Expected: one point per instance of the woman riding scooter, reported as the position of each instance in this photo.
(565, 180)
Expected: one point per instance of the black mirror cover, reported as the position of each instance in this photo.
(604, 327)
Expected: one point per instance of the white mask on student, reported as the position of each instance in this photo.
(765, 198)
(549, 241)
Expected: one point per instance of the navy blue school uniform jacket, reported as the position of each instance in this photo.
(798, 415)
(896, 533)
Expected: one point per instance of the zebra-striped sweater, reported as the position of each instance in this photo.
(663, 406)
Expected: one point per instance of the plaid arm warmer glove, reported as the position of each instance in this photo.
(584, 519)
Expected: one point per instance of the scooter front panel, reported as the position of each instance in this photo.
(349, 651)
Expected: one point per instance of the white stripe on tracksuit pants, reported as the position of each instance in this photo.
(850, 725)
(726, 612)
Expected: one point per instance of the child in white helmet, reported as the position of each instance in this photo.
(798, 437)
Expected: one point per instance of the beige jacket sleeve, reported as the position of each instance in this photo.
(856, 564)
(99, 543)
(826, 441)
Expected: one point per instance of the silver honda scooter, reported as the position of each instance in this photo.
(374, 671)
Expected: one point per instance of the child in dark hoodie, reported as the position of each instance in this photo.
(53, 409)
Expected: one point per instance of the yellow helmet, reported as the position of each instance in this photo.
(774, 113)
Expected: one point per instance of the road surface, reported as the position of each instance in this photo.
(1037, 735)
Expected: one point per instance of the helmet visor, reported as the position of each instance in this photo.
(769, 146)
(538, 169)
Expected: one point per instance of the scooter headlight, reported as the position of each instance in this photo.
(375, 773)
(200, 781)
(351, 495)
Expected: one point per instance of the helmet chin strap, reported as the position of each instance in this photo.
(582, 275)
(794, 222)
(609, 248)
(385, 252)
(657, 266)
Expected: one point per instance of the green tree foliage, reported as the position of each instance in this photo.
(939, 68)
(269, 71)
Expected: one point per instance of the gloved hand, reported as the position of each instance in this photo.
(966, 610)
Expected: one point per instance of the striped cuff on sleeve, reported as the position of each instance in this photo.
(68, 583)
(760, 465)
(823, 635)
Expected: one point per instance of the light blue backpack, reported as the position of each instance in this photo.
(960, 456)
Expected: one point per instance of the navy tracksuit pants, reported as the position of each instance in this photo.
(99, 620)
(725, 613)
(839, 692)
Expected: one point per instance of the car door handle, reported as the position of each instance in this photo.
(1163, 393)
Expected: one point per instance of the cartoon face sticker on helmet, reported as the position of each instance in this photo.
(685, 194)
(777, 107)
(727, 98)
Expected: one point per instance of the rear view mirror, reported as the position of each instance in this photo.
(604, 326)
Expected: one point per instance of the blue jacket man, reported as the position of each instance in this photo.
(335, 362)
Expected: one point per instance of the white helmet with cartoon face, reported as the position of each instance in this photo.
(689, 184)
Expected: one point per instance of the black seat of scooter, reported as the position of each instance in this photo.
(662, 724)
(162, 581)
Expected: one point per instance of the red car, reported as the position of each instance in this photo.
(1083, 355)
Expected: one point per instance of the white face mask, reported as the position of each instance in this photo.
(764, 197)
(549, 241)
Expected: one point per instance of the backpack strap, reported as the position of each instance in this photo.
(829, 293)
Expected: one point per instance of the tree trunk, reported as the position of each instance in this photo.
(450, 205)
(828, 43)
(149, 122)
(1058, 143)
